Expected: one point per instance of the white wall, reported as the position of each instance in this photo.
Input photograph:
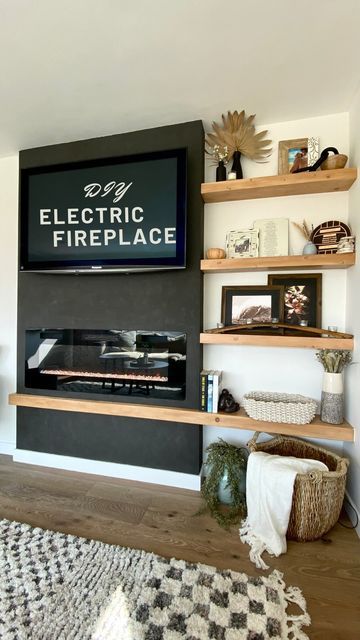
(274, 369)
(8, 296)
(353, 313)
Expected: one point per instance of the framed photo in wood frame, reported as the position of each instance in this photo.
(249, 304)
(297, 154)
(302, 297)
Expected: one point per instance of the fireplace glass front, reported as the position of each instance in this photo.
(107, 362)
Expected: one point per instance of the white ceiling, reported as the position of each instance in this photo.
(73, 69)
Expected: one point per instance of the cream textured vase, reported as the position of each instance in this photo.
(332, 398)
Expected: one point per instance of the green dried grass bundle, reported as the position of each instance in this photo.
(334, 360)
(222, 457)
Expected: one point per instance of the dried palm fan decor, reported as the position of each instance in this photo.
(237, 134)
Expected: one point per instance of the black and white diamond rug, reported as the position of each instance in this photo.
(56, 586)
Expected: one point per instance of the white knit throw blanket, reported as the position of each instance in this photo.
(269, 489)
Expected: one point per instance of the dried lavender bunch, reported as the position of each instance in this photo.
(334, 360)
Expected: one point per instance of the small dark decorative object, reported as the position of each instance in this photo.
(225, 461)
(221, 158)
(220, 171)
(236, 165)
(227, 402)
(323, 159)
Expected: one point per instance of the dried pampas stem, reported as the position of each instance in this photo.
(304, 229)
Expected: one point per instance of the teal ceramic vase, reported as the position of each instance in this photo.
(224, 492)
(309, 249)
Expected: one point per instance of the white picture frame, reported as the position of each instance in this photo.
(242, 243)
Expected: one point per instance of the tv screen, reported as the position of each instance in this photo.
(126, 213)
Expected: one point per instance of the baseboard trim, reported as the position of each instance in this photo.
(350, 512)
(7, 448)
(110, 469)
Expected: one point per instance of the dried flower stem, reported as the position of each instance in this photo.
(334, 360)
(304, 229)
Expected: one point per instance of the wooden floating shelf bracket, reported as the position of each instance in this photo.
(239, 420)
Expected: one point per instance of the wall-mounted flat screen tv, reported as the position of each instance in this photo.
(126, 214)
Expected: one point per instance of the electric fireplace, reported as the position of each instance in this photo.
(107, 362)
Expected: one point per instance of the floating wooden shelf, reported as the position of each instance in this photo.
(292, 184)
(239, 420)
(280, 263)
(300, 342)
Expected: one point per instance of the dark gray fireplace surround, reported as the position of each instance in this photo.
(166, 300)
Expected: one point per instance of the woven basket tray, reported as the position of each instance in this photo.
(318, 496)
(279, 407)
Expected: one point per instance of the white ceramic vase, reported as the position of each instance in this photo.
(332, 398)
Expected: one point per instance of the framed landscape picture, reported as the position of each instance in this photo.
(302, 297)
(251, 304)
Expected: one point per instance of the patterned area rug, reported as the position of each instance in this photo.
(56, 586)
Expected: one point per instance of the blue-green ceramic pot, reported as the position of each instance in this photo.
(224, 492)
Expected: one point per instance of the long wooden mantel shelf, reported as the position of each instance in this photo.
(239, 420)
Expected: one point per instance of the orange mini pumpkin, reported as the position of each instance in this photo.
(215, 254)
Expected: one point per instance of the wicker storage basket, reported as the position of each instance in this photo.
(279, 407)
(318, 496)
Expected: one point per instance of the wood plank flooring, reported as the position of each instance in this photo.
(162, 520)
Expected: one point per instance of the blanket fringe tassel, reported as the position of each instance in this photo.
(257, 547)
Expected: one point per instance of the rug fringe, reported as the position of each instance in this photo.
(294, 622)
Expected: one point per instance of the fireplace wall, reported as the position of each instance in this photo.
(168, 301)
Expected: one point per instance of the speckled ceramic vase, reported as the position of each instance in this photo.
(332, 398)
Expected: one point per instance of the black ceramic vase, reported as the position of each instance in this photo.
(236, 167)
(220, 171)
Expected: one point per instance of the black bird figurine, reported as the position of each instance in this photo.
(227, 402)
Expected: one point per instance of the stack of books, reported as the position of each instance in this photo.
(210, 390)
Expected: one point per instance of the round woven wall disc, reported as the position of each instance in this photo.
(327, 235)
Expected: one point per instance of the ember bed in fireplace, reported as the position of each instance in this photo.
(109, 361)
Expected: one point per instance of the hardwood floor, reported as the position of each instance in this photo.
(162, 520)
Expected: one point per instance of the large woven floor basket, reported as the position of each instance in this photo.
(318, 496)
